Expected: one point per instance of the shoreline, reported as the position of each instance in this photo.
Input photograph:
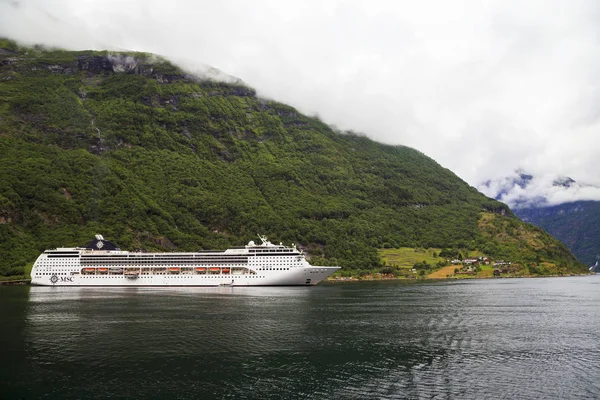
(450, 278)
(26, 282)
(15, 282)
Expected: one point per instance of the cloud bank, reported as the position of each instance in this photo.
(522, 190)
(483, 87)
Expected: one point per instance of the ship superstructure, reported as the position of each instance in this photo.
(101, 263)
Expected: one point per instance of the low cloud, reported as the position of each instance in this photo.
(522, 190)
(482, 87)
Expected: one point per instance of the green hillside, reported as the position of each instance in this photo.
(576, 224)
(130, 146)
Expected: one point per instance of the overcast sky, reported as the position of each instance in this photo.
(483, 87)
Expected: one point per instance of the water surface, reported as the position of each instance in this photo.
(505, 338)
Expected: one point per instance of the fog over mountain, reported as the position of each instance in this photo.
(522, 190)
(482, 87)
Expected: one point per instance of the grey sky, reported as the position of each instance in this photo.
(483, 87)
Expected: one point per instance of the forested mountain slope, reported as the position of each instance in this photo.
(576, 224)
(130, 146)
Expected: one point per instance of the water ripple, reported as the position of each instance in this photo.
(496, 339)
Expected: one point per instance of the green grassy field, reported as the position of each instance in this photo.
(407, 257)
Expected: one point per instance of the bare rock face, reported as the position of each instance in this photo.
(97, 64)
(110, 64)
(122, 63)
(150, 67)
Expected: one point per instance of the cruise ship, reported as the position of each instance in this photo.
(101, 263)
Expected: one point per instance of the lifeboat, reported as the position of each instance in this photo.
(226, 270)
(116, 270)
(174, 269)
(214, 269)
(102, 269)
(89, 270)
(201, 269)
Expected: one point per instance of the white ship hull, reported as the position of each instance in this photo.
(300, 277)
(102, 264)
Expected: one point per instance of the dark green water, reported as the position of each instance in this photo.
(518, 338)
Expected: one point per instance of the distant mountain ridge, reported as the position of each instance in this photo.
(522, 190)
(574, 222)
(155, 158)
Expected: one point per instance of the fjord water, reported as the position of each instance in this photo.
(505, 338)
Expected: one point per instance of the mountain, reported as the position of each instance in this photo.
(553, 204)
(576, 224)
(155, 158)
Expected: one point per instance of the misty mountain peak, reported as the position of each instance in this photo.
(564, 181)
(523, 189)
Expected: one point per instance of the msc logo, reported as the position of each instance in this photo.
(54, 279)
